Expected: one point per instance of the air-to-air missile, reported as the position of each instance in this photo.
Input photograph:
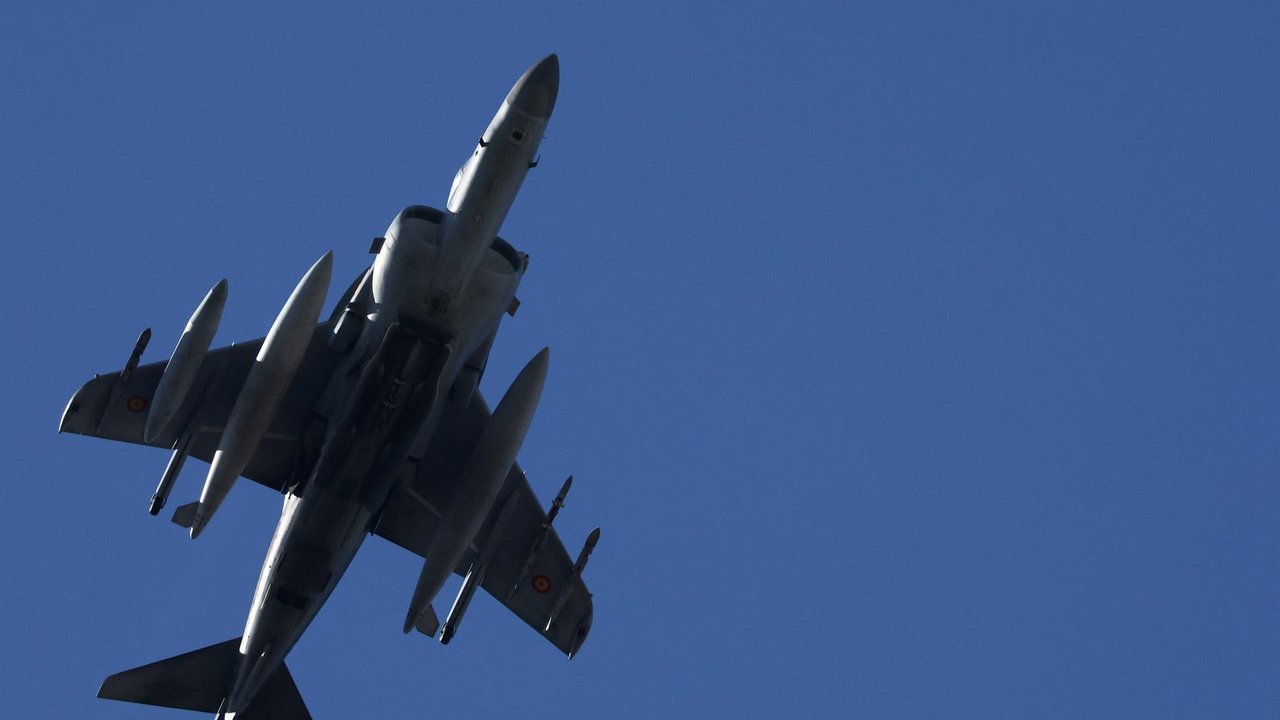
(122, 379)
(475, 574)
(532, 556)
(570, 585)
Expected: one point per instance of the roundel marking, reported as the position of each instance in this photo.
(541, 584)
(136, 404)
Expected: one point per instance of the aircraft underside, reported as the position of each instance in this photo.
(367, 423)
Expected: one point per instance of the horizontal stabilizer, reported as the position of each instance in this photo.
(186, 515)
(200, 680)
(197, 680)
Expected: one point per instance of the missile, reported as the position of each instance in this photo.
(571, 584)
(179, 456)
(587, 548)
(263, 390)
(475, 575)
(558, 502)
(123, 378)
(132, 363)
(178, 375)
(538, 542)
(481, 479)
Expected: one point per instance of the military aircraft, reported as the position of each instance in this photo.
(369, 422)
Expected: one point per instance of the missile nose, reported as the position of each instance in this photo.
(536, 90)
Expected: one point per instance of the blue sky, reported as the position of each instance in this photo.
(918, 359)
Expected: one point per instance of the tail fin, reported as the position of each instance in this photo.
(279, 699)
(200, 680)
(197, 680)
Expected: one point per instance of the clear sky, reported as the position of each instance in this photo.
(917, 359)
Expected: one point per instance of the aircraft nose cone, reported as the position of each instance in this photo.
(535, 92)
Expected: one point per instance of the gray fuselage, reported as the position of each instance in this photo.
(423, 319)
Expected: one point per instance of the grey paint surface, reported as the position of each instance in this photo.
(373, 433)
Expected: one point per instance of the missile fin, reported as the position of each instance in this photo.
(185, 515)
(424, 621)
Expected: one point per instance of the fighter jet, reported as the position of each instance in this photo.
(368, 423)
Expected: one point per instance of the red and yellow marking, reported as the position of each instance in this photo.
(541, 584)
(136, 404)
